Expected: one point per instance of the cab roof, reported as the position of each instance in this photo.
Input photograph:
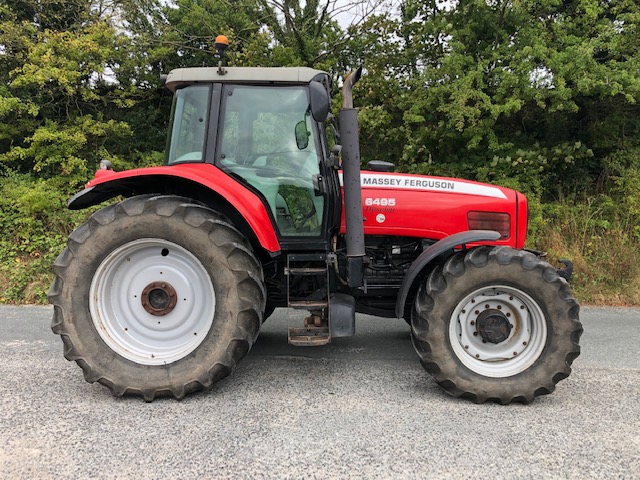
(253, 75)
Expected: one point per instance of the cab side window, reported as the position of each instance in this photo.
(189, 124)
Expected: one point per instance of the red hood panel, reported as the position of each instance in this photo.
(429, 207)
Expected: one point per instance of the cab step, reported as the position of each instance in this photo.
(308, 304)
(315, 265)
(309, 336)
(331, 314)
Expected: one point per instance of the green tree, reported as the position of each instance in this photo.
(537, 91)
(56, 95)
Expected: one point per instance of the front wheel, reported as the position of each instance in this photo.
(496, 324)
(157, 296)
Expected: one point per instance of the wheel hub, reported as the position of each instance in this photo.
(152, 301)
(159, 298)
(498, 331)
(493, 326)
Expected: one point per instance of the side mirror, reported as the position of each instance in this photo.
(334, 156)
(302, 135)
(320, 102)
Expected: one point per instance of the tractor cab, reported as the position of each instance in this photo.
(265, 130)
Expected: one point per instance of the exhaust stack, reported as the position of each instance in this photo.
(351, 180)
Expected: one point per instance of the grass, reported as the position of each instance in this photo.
(602, 241)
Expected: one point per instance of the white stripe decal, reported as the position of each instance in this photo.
(431, 184)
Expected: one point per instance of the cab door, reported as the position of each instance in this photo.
(268, 140)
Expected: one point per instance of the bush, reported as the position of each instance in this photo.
(34, 225)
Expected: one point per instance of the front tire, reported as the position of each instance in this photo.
(157, 296)
(496, 324)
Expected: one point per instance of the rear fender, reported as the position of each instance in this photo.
(433, 251)
(202, 182)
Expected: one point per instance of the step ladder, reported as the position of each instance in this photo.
(313, 266)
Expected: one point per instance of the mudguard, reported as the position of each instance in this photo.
(432, 252)
(192, 180)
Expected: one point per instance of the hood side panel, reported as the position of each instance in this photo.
(430, 207)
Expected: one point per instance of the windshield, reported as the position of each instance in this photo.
(187, 132)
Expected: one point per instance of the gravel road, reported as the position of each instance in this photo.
(362, 407)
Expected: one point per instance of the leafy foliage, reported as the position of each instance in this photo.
(35, 224)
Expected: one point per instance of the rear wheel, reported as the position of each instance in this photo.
(157, 296)
(496, 324)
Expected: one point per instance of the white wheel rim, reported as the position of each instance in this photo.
(514, 354)
(138, 332)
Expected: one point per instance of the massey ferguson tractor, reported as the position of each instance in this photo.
(164, 292)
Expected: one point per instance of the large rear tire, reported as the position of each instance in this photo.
(157, 296)
(496, 324)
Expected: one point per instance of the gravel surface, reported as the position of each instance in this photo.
(362, 407)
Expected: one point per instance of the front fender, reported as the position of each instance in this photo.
(447, 243)
(203, 182)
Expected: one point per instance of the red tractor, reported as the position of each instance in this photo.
(164, 292)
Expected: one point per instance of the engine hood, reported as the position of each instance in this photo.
(436, 207)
